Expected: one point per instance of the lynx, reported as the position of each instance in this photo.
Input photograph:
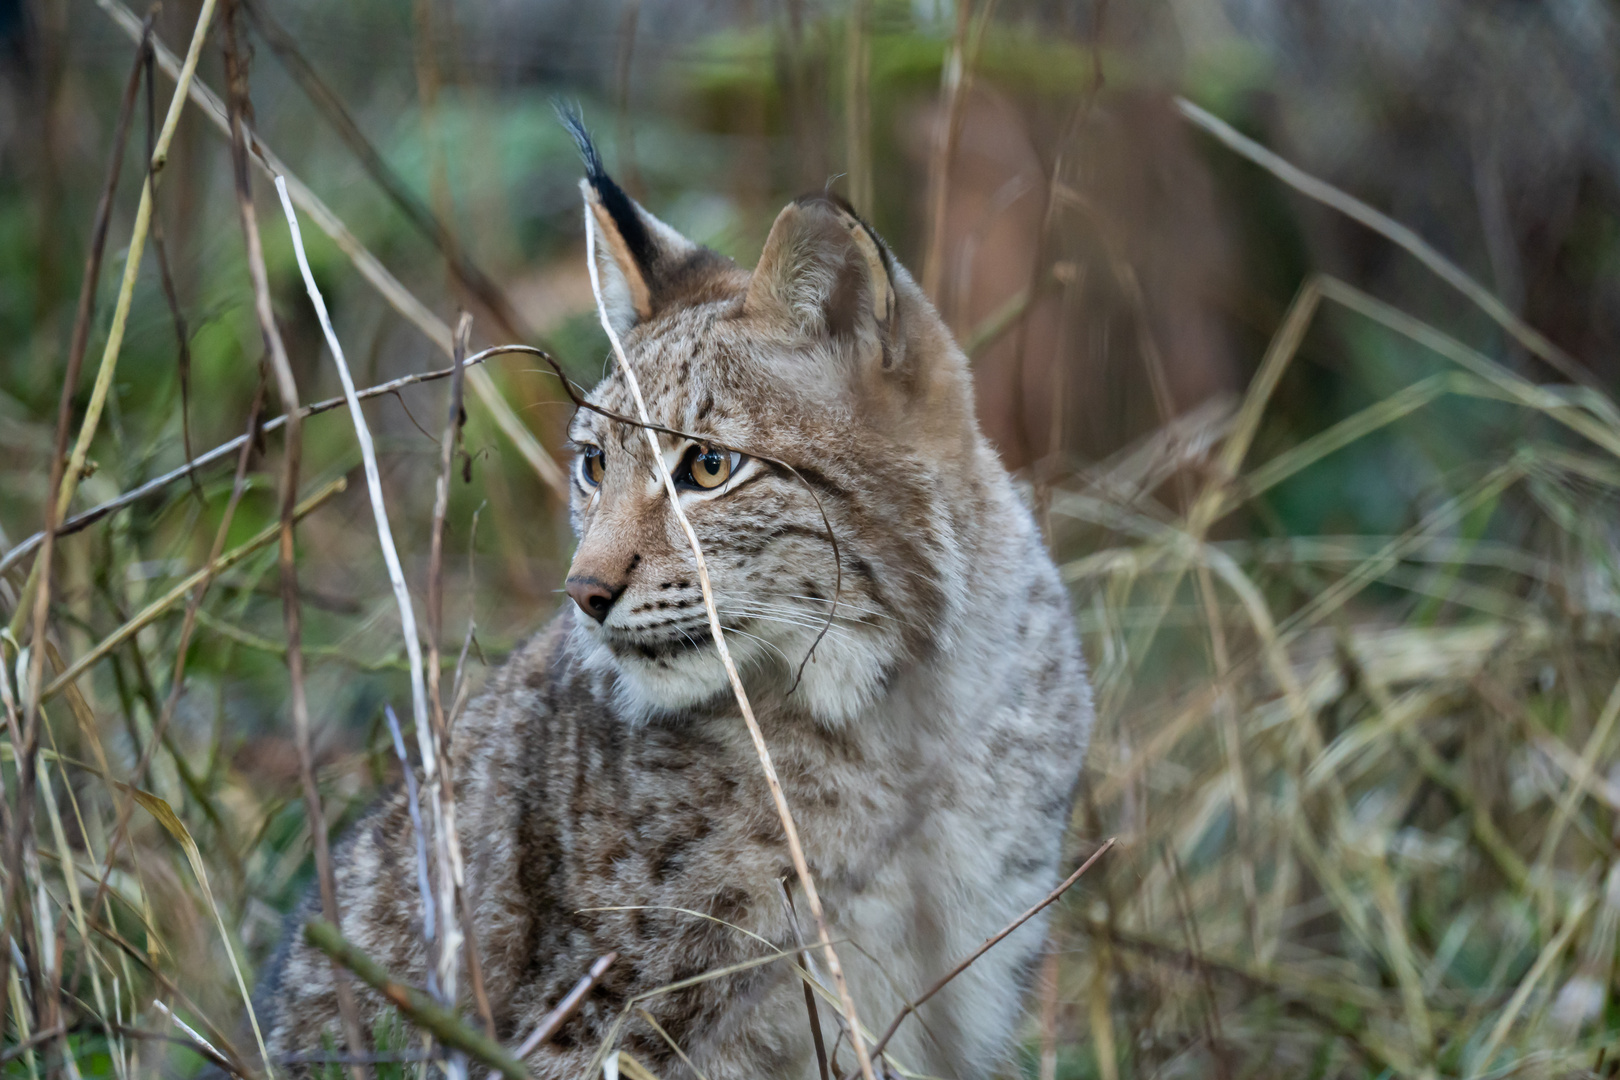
(929, 741)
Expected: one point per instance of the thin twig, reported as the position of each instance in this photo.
(368, 453)
(457, 686)
(800, 865)
(813, 1014)
(1051, 897)
(417, 1006)
(193, 1039)
(89, 517)
(435, 618)
(566, 1008)
(292, 454)
(673, 1045)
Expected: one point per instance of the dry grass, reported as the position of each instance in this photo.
(1363, 787)
(1349, 843)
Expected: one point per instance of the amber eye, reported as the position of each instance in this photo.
(591, 466)
(708, 466)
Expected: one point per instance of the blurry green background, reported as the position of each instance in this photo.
(1304, 885)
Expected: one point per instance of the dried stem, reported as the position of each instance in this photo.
(423, 875)
(435, 618)
(292, 454)
(570, 1004)
(800, 865)
(811, 1012)
(989, 942)
(182, 336)
(956, 80)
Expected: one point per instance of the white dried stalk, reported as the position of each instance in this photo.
(444, 823)
(800, 865)
(191, 1033)
(368, 455)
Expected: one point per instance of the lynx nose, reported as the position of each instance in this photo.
(594, 598)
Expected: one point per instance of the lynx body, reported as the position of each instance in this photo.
(609, 798)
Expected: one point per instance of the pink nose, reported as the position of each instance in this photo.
(594, 598)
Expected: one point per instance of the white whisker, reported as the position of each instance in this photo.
(816, 617)
(832, 631)
(762, 641)
(842, 605)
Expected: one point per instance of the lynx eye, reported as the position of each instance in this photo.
(708, 467)
(591, 466)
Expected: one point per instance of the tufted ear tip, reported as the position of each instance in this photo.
(639, 255)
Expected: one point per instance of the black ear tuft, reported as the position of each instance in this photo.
(573, 122)
(614, 200)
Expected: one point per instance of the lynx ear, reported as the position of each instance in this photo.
(638, 256)
(826, 273)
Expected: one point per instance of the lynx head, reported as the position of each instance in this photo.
(820, 383)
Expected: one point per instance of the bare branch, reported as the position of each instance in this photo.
(417, 1006)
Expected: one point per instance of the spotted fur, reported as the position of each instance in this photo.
(608, 795)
